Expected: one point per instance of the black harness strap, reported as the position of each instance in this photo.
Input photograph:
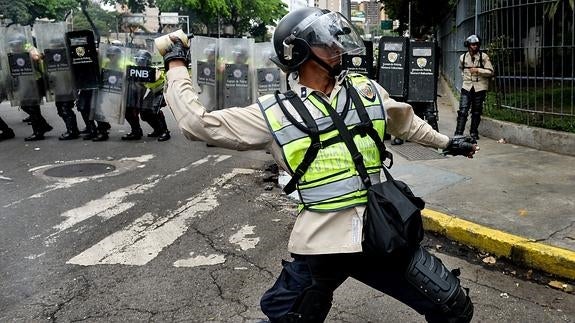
(312, 130)
(366, 127)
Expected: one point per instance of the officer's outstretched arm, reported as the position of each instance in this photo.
(461, 146)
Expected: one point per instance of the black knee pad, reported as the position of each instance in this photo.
(311, 307)
(428, 274)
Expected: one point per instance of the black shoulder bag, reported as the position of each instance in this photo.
(392, 220)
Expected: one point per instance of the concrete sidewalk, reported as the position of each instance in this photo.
(510, 200)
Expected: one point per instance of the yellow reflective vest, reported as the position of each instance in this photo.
(331, 182)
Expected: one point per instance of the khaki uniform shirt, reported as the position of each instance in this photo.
(480, 80)
(245, 128)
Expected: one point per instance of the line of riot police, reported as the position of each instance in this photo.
(106, 84)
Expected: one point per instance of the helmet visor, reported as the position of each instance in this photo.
(334, 34)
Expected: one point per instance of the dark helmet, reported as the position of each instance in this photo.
(210, 50)
(300, 30)
(113, 51)
(472, 39)
(240, 53)
(143, 58)
(17, 41)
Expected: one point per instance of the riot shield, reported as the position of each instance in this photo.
(23, 62)
(83, 55)
(361, 63)
(392, 66)
(107, 103)
(422, 72)
(50, 38)
(235, 64)
(139, 71)
(269, 78)
(203, 62)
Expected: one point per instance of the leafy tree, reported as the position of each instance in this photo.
(105, 21)
(246, 14)
(24, 12)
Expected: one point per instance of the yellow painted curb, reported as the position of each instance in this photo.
(553, 260)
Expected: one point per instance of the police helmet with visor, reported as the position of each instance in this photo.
(16, 42)
(472, 39)
(304, 29)
(113, 52)
(143, 58)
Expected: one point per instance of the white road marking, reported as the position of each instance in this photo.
(209, 260)
(122, 165)
(105, 207)
(143, 240)
(240, 239)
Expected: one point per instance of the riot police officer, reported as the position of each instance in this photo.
(476, 71)
(28, 89)
(326, 237)
(146, 100)
(60, 85)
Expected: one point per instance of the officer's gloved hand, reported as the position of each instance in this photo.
(461, 146)
(177, 50)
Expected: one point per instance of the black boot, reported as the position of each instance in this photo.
(165, 136)
(461, 121)
(101, 136)
(135, 134)
(163, 127)
(39, 131)
(7, 134)
(475, 120)
(69, 135)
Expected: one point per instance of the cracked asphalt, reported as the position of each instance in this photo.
(140, 264)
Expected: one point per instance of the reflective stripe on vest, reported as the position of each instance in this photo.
(331, 182)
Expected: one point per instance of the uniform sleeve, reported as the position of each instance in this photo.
(233, 128)
(487, 70)
(403, 123)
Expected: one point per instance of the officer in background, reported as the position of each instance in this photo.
(476, 71)
(60, 86)
(28, 89)
(134, 96)
(326, 237)
(107, 100)
(148, 102)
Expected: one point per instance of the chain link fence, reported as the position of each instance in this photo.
(531, 44)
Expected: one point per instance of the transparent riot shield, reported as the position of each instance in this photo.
(268, 77)
(203, 62)
(235, 67)
(139, 72)
(107, 101)
(58, 78)
(23, 62)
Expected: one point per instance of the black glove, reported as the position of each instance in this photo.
(177, 50)
(461, 146)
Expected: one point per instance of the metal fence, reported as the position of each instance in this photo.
(531, 44)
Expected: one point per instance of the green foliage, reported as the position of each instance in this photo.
(136, 6)
(559, 96)
(104, 20)
(24, 12)
(242, 15)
